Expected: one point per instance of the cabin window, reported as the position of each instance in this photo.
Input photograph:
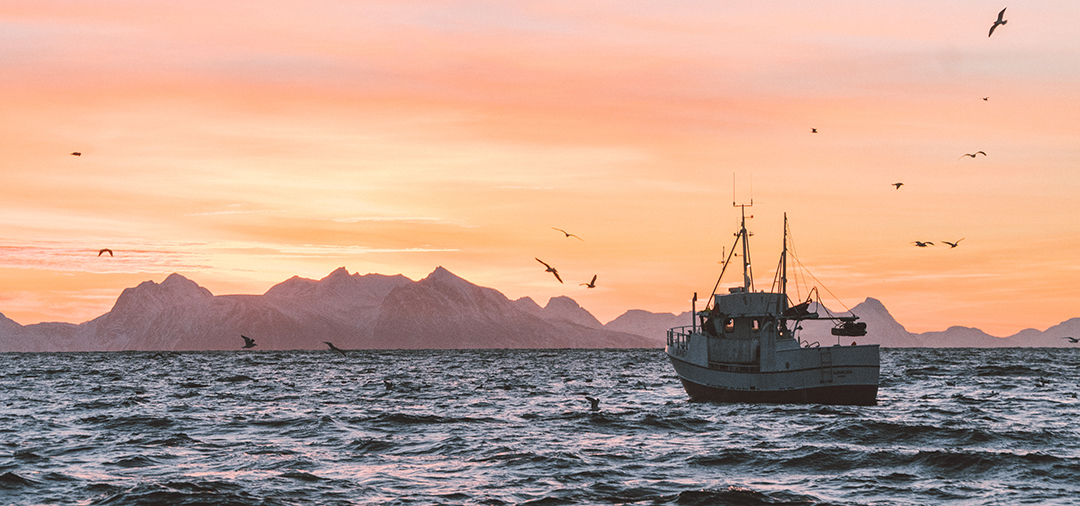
(756, 325)
(729, 325)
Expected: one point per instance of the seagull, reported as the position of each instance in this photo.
(973, 154)
(568, 234)
(590, 284)
(953, 244)
(103, 251)
(999, 21)
(248, 342)
(1071, 339)
(898, 185)
(986, 99)
(813, 130)
(922, 244)
(595, 403)
(551, 270)
(335, 348)
(76, 153)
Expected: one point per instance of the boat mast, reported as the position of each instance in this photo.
(783, 261)
(748, 274)
(748, 271)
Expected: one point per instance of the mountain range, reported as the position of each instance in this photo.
(440, 311)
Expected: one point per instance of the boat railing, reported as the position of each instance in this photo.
(679, 336)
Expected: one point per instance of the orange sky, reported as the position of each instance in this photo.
(241, 143)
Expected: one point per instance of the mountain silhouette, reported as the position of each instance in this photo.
(440, 311)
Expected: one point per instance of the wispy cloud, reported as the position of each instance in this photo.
(237, 211)
(83, 256)
(403, 219)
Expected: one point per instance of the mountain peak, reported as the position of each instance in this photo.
(149, 297)
(442, 276)
(562, 303)
(873, 303)
(567, 309)
(338, 273)
(174, 284)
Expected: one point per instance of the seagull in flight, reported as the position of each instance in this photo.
(103, 251)
(76, 153)
(813, 130)
(595, 403)
(1071, 339)
(953, 244)
(335, 348)
(590, 284)
(973, 154)
(898, 185)
(986, 99)
(551, 270)
(248, 342)
(922, 244)
(568, 234)
(999, 21)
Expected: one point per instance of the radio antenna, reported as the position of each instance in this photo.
(734, 201)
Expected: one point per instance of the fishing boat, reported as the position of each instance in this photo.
(745, 345)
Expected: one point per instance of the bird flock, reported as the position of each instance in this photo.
(592, 284)
(952, 244)
(555, 272)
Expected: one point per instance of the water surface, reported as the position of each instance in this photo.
(493, 427)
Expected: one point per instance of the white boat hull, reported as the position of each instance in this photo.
(846, 375)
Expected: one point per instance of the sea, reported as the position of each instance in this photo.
(498, 427)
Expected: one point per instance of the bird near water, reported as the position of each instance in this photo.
(103, 251)
(898, 185)
(922, 244)
(551, 270)
(590, 284)
(568, 234)
(973, 154)
(595, 403)
(1071, 339)
(248, 342)
(953, 244)
(335, 348)
(1000, 21)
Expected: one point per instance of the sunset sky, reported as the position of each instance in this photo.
(242, 143)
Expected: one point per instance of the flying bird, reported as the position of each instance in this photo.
(551, 270)
(590, 284)
(103, 251)
(985, 99)
(248, 342)
(953, 244)
(973, 154)
(568, 234)
(999, 21)
(813, 130)
(922, 244)
(76, 153)
(595, 403)
(898, 185)
(335, 348)
(1071, 339)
